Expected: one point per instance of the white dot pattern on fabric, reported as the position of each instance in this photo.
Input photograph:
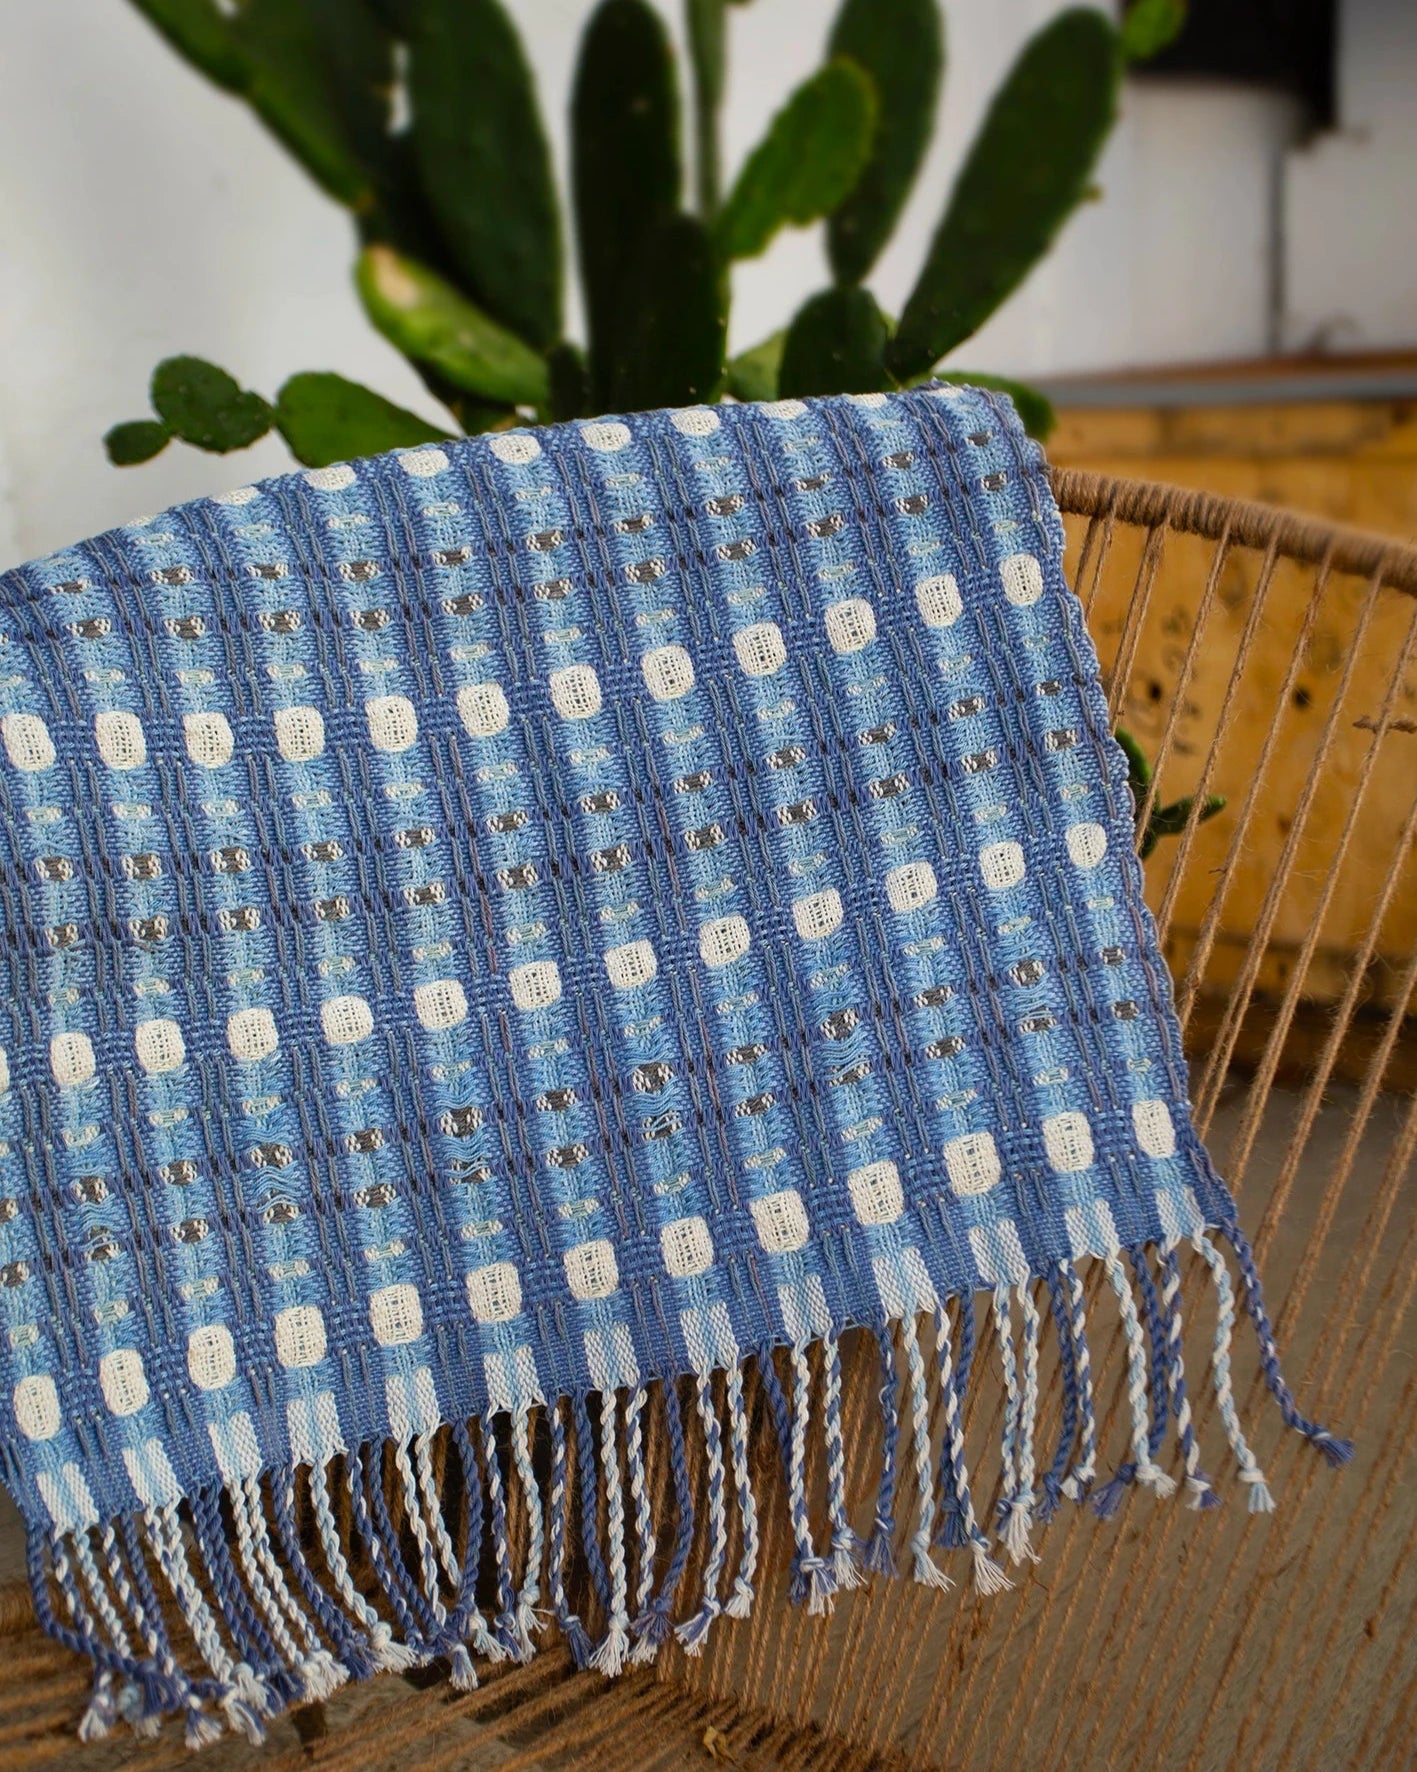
(251, 1035)
(939, 601)
(591, 1269)
(423, 464)
(300, 733)
(697, 421)
(1023, 579)
(781, 1221)
(575, 692)
(817, 915)
(4, 1071)
(1067, 1138)
(668, 672)
(494, 1292)
(123, 1381)
(787, 409)
(396, 1315)
(331, 479)
(37, 1406)
(911, 886)
(760, 649)
(239, 495)
(211, 1357)
(686, 1246)
(209, 739)
(972, 1163)
(300, 1336)
(724, 940)
(159, 1045)
(536, 985)
(441, 1003)
(483, 710)
(876, 1193)
(606, 438)
(393, 724)
(516, 448)
(851, 625)
(347, 1020)
(631, 965)
(71, 1059)
(1087, 844)
(1154, 1127)
(1002, 865)
(872, 401)
(120, 740)
(27, 742)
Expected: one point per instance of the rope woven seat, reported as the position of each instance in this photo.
(1270, 658)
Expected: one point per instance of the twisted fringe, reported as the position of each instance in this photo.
(268, 1611)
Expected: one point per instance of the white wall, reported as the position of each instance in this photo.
(145, 214)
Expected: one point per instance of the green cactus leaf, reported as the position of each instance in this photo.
(1028, 168)
(429, 321)
(1035, 410)
(198, 30)
(485, 165)
(1149, 25)
(834, 345)
(704, 25)
(901, 46)
(1138, 765)
(670, 349)
(808, 162)
(626, 172)
(137, 440)
(753, 374)
(206, 407)
(325, 419)
(570, 381)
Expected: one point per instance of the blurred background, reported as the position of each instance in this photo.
(1236, 309)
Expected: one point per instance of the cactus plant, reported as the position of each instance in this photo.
(460, 263)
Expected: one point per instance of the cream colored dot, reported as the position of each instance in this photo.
(1154, 1127)
(608, 438)
(483, 710)
(851, 625)
(668, 672)
(240, 495)
(938, 600)
(591, 1270)
(1067, 1138)
(441, 1003)
(494, 1292)
(1002, 865)
(723, 941)
(695, 421)
(781, 1221)
(300, 1336)
(873, 401)
(159, 1045)
(575, 692)
(686, 1246)
(536, 985)
(911, 886)
(1087, 844)
(396, 1315)
(972, 1163)
(120, 739)
(251, 1035)
(37, 1407)
(786, 409)
(71, 1058)
(208, 739)
(332, 479)
(27, 742)
(876, 1194)
(423, 464)
(760, 649)
(4, 1071)
(393, 725)
(300, 733)
(346, 1020)
(211, 1357)
(516, 448)
(631, 965)
(1023, 579)
(817, 915)
(123, 1381)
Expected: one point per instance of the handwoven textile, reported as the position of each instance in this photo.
(500, 925)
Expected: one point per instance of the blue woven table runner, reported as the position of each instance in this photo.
(499, 925)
